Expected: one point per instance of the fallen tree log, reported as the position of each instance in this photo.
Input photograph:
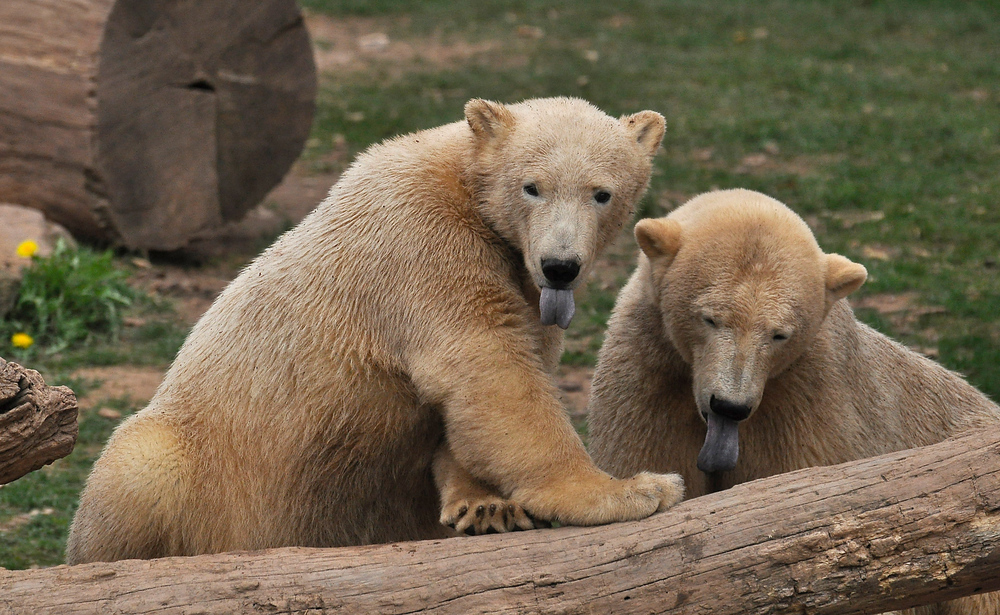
(38, 423)
(148, 123)
(904, 529)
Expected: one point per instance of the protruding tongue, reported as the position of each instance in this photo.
(722, 445)
(557, 307)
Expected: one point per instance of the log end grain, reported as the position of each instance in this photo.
(202, 107)
(147, 122)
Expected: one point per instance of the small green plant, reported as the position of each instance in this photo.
(72, 296)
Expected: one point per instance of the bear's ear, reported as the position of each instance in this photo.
(659, 238)
(647, 128)
(843, 276)
(487, 119)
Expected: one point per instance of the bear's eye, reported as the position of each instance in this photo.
(531, 189)
(780, 337)
(602, 196)
(710, 322)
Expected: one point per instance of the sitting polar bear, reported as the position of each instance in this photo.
(384, 366)
(732, 355)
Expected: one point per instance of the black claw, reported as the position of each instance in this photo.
(493, 509)
(480, 511)
(462, 511)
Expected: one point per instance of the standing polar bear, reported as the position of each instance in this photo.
(732, 356)
(390, 349)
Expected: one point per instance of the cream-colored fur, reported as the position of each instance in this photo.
(716, 281)
(394, 330)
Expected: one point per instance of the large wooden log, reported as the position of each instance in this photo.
(150, 122)
(37, 422)
(904, 529)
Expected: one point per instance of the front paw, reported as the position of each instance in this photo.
(665, 489)
(484, 515)
(599, 498)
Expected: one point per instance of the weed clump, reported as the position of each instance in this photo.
(73, 296)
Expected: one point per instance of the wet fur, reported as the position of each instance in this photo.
(396, 324)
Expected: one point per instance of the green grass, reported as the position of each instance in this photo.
(37, 509)
(73, 304)
(72, 296)
(878, 121)
(858, 107)
(589, 323)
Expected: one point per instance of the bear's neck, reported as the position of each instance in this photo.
(480, 183)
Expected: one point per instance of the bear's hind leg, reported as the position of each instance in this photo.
(132, 498)
(468, 505)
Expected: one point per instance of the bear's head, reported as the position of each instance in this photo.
(556, 178)
(743, 289)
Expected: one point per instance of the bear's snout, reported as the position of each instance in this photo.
(728, 409)
(560, 273)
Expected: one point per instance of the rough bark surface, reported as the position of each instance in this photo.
(904, 529)
(37, 422)
(150, 122)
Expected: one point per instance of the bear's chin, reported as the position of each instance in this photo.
(722, 445)
(556, 306)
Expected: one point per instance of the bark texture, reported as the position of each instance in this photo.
(904, 529)
(38, 423)
(150, 122)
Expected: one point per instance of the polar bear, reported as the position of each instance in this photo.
(386, 365)
(732, 355)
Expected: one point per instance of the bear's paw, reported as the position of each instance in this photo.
(485, 515)
(665, 489)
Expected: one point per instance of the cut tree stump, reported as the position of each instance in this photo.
(38, 423)
(148, 123)
(905, 529)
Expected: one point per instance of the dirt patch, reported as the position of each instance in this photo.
(768, 162)
(802, 166)
(574, 384)
(18, 521)
(354, 44)
(192, 291)
(904, 314)
(119, 381)
(851, 218)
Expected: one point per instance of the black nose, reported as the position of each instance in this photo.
(559, 272)
(728, 409)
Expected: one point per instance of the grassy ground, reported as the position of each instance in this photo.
(878, 121)
(36, 510)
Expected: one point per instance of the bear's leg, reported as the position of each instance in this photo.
(506, 427)
(467, 504)
(135, 488)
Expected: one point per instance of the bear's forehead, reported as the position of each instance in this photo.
(750, 305)
(564, 162)
(748, 298)
(572, 159)
(580, 139)
(761, 271)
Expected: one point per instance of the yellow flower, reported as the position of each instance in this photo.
(26, 248)
(21, 340)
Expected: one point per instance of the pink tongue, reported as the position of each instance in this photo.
(722, 445)
(557, 307)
